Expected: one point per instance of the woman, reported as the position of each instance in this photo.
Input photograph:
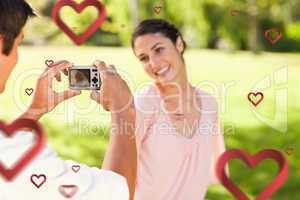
(177, 131)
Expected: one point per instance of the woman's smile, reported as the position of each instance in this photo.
(163, 71)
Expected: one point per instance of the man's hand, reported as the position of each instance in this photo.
(114, 95)
(45, 99)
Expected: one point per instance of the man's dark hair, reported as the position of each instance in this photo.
(13, 17)
(157, 26)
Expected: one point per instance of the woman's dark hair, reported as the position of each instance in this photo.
(157, 26)
(13, 16)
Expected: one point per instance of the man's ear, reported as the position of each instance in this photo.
(1, 42)
(179, 44)
(1, 38)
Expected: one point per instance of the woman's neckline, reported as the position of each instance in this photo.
(199, 99)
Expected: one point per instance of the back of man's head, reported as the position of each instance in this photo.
(13, 16)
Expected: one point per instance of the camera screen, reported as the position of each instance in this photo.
(80, 77)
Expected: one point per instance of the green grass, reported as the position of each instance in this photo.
(78, 128)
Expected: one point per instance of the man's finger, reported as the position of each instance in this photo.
(98, 97)
(63, 66)
(65, 71)
(54, 71)
(58, 77)
(104, 101)
(101, 66)
(61, 96)
(55, 64)
(95, 95)
(112, 69)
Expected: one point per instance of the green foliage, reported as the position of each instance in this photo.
(205, 23)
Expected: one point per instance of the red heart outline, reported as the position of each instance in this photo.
(278, 37)
(10, 130)
(62, 191)
(38, 177)
(252, 161)
(255, 94)
(79, 39)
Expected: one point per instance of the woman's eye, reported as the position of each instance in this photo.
(143, 59)
(159, 50)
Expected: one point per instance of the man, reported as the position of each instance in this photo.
(88, 183)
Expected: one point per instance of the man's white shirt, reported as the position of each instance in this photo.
(91, 183)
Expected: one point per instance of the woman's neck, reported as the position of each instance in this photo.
(180, 86)
(178, 99)
(175, 89)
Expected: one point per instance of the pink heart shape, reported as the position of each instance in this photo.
(251, 94)
(79, 39)
(68, 191)
(10, 130)
(76, 168)
(38, 180)
(252, 161)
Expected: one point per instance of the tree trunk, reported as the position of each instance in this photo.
(253, 27)
(134, 11)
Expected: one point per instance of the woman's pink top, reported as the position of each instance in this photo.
(171, 166)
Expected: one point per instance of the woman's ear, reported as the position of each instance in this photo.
(179, 44)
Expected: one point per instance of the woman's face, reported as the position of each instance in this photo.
(161, 59)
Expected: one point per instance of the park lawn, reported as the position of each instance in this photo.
(78, 129)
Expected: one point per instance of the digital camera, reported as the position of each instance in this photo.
(84, 78)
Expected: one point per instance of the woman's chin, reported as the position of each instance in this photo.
(171, 78)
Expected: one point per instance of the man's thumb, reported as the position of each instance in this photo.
(95, 95)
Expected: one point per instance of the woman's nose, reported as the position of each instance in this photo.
(154, 62)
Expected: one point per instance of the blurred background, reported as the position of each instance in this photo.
(228, 56)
